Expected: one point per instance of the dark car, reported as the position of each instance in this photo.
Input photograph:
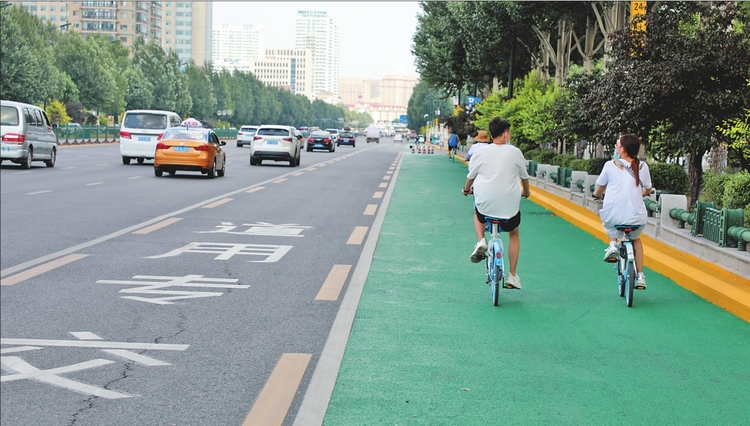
(321, 139)
(346, 138)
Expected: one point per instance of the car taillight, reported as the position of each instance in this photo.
(310, 139)
(326, 140)
(202, 147)
(126, 135)
(162, 145)
(286, 139)
(240, 133)
(158, 138)
(257, 138)
(14, 138)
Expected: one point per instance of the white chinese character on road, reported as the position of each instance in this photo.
(226, 251)
(153, 285)
(260, 228)
(22, 370)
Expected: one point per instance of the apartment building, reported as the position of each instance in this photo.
(392, 90)
(183, 27)
(286, 68)
(236, 47)
(315, 31)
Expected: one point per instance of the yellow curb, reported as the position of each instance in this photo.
(708, 280)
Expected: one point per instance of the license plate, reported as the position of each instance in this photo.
(144, 138)
(6, 148)
(272, 142)
(182, 149)
(318, 145)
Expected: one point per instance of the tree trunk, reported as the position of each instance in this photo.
(695, 172)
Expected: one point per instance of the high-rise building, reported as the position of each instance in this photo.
(286, 68)
(392, 90)
(186, 25)
(187, 30)
(315, 31)
(236, 46)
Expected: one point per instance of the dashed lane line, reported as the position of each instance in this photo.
(39, 192)
(25, 275)
(156, 226)
(94, 183)
(370, 210)
(383, 185)
(334, 283)
(218, 203)
(256, 189)
(277, 395)
(377, 194)
(358, 235)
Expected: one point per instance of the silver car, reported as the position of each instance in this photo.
(26, 135)
(245, 135)
(277, 143)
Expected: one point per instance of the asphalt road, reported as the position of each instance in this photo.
(131, 299)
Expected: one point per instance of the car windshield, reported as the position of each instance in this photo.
(272, 132)
(320, 135)
(347, 134)
(249, 129)
(146, 121)
(184, 133)
(9, 116)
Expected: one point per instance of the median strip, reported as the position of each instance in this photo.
(358, 235)
(25, 275)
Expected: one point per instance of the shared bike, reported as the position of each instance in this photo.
(452, 154)
(626, 271)
(494, 258)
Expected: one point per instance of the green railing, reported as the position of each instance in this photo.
(87, 134)
(226, 133)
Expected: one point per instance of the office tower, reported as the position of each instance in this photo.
(286, 68)
(315, 31)
(236, 46)
(187, 30)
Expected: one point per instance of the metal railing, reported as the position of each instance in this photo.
(87, 134)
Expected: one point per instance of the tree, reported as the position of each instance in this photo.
(201, 92)
(57, 114)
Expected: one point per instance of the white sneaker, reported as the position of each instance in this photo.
(479, 250)
(640, 283)
(512, 281)
(610, 254)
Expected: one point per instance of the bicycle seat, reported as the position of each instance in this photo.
(627, 228)
(495, 219)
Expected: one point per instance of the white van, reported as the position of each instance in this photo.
(26, 135)
(140, 131)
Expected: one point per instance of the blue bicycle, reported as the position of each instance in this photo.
(494, 258)
(626, 271)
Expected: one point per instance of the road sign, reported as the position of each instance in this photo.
(472, 100)
(402, 118)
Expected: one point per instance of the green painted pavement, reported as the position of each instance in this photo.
(428, 348)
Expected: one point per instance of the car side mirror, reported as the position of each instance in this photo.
(222, 143)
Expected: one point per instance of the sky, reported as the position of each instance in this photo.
(376, 37)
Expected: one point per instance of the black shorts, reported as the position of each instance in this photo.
(451, 148)
(507, 226)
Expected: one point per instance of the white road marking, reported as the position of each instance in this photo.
(39, 192)
(85, 335)
(93, 344)
(156, 287)
(140, 359)
(19, 349)
(94, 183)
(22, 173)
(135, 177)
(226, 251)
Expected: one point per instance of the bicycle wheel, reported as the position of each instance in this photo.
(620, 277)
(630, 283)
(496, 285)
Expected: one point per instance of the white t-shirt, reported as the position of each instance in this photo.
(497, 171)
(623, 201)
(473, 150)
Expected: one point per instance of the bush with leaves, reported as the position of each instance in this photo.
(595, 165)
(531, 154)
(563, 160)
(669, 177)
(545, 156)
(737, 191)
(712, 188)
(579, 165)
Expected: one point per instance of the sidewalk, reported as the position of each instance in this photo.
(428, 348)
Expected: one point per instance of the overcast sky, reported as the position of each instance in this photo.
(376, 37)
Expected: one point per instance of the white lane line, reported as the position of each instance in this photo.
(22, 173)
(94, 183)
(135, 177)
(39, 192)
(69, 168)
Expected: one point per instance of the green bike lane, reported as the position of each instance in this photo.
(428, 348)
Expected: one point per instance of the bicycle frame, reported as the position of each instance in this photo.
(626, 270)
(494, 259)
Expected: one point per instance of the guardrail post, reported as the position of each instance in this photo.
(739, 235)
(730, 218)
(700, 212)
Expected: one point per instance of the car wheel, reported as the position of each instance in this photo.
(239, 145)
(309, 149)
(52, 158)
(212, 171)
(223, 169)
(159, 173)
(253, 162)
(125, 160)
(140, 161)
(26, 164)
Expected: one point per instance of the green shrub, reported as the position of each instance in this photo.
(563, 160)
(531, 154)
(737, 191)
(579, 165)
(712, 188)
(595, 165)
(669, 177)
(545, 156)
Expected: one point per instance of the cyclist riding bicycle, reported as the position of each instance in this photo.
(452, 144)
(494, 175)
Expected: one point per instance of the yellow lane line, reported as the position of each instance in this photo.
(370, 210)
(377, 194)
(358, 235)
(159, 225)
(279, 180)
(311, 169)
(277, 395)
(383, 185)
(30, 273)
(256, 189)
(389, 172)
(298, 173)
(321, 164)
(217, 203)
(334, 283)
(386, 177)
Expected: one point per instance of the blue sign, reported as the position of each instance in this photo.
(472, 100)
(402, 118)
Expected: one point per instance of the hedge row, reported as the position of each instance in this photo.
(728, 190)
